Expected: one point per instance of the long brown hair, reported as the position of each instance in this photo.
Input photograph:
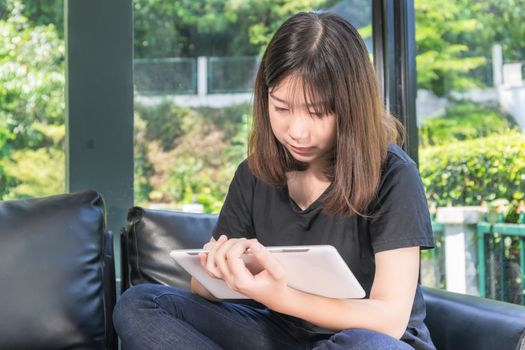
(329, 56)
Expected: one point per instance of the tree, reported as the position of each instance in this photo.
(210, 28)
(39, 13)
(442, 32)
(504, 23)
(31, 107)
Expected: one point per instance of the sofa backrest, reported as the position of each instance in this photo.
(56, 274)
(151, 235)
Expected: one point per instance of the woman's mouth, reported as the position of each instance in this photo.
(302, 150)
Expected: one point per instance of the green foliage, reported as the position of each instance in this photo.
(210, 28)
(455, 37)
(187, 155)
(143, 168)
(227, 119)
(442, 28)
(261, 28)
(164, 123)
(463, 121)
(504, 23)
(38, 12)
(31, 107)
(34, 173)
(5, 137)
(470, 172)
(191, 161)
(445, 30)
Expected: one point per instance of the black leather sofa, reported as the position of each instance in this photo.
(57, 275)
(456, 322)
(57, 281)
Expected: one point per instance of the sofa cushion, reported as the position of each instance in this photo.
(151, 235)
(54, 256)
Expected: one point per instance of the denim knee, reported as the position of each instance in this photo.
(137, 297)
(362, 339)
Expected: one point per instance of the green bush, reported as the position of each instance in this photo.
(227, 119)
(164, 122)
(470, 172)
(185, 155)
(37, 173)
(463, 121)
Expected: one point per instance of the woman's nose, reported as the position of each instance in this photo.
(299, 128)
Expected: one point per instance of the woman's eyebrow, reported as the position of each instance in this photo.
(286, 102)
(277, 98)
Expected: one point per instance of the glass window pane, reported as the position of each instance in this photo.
(32, 108)
(471, 98)
(195, 63)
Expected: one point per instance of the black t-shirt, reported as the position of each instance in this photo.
(400, 218)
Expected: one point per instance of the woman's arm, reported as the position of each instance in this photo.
(386, 311)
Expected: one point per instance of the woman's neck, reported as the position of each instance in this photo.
(305, 187)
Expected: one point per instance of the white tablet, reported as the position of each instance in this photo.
(317, 269)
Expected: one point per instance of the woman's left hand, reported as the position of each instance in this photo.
(263, 286)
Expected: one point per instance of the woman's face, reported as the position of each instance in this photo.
(308, 136)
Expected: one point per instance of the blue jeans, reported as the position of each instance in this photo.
(159, 317)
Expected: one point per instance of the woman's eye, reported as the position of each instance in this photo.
(317, 114)
(280, 109)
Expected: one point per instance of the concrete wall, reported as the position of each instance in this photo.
(511, 99)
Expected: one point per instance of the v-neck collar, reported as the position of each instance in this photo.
(313, 206)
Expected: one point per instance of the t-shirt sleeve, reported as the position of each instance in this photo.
(235, 218)
(401, 218)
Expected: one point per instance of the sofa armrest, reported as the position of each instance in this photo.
(110, 293)
(57, 273)
(465, 322)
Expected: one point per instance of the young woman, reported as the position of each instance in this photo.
(322, 168)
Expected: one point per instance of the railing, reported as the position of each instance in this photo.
(231, 74)
(195, 75)
(501, 261)
(498, 257)
(158, 76)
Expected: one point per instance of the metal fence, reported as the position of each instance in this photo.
(500, 260)
(231, 74)
(180, 76)
(165, 75)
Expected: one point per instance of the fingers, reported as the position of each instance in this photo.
(203, 257)
(240, 278)
(236, 264)
(210, 263)
(225, 256)
(269, 263)
(228, 259)
(210, 244)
